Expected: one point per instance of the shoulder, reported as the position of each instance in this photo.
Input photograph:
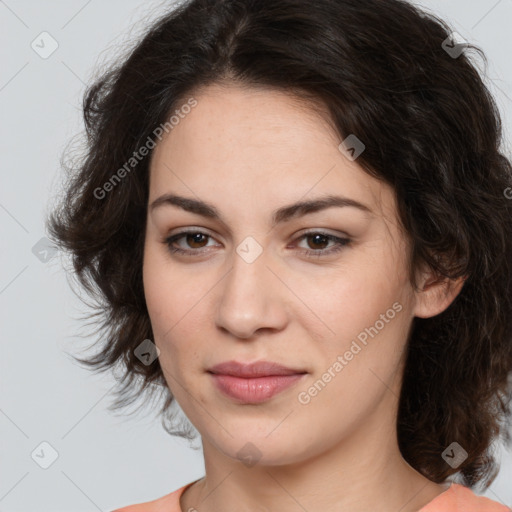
(459, 498)
(168, 503)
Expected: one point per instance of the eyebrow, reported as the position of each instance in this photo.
(280, 215)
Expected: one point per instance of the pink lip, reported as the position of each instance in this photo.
(255, 382)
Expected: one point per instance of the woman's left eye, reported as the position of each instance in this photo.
(314, 238)
(322, 239)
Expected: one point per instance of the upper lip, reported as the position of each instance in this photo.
(257, 369)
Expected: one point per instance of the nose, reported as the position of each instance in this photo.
(252, 298)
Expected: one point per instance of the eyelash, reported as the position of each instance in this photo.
(341, 243)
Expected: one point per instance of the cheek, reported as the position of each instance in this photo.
(350, 300)
(157, 294)
(160, 291)
(164, 289)
(364, 313)
(175, 302)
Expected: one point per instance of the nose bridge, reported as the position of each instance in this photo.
(250, 299)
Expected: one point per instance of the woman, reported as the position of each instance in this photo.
(296, 218)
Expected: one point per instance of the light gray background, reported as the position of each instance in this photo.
(104, 461)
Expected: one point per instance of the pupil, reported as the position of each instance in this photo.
(194, 237)
(317, 237)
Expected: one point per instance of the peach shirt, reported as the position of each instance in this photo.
(456, 498)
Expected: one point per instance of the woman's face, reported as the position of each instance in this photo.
(247, 289)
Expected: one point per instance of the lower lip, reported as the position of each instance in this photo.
(254, 390)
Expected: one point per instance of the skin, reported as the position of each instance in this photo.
(248, 152)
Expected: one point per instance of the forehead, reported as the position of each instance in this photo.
(261, 144)
(246, 119)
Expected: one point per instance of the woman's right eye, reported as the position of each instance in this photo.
(194, 239)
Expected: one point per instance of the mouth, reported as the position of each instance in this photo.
(253, 383)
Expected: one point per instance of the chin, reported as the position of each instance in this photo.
(258, 448)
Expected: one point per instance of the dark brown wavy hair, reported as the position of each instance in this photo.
(432, 130)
